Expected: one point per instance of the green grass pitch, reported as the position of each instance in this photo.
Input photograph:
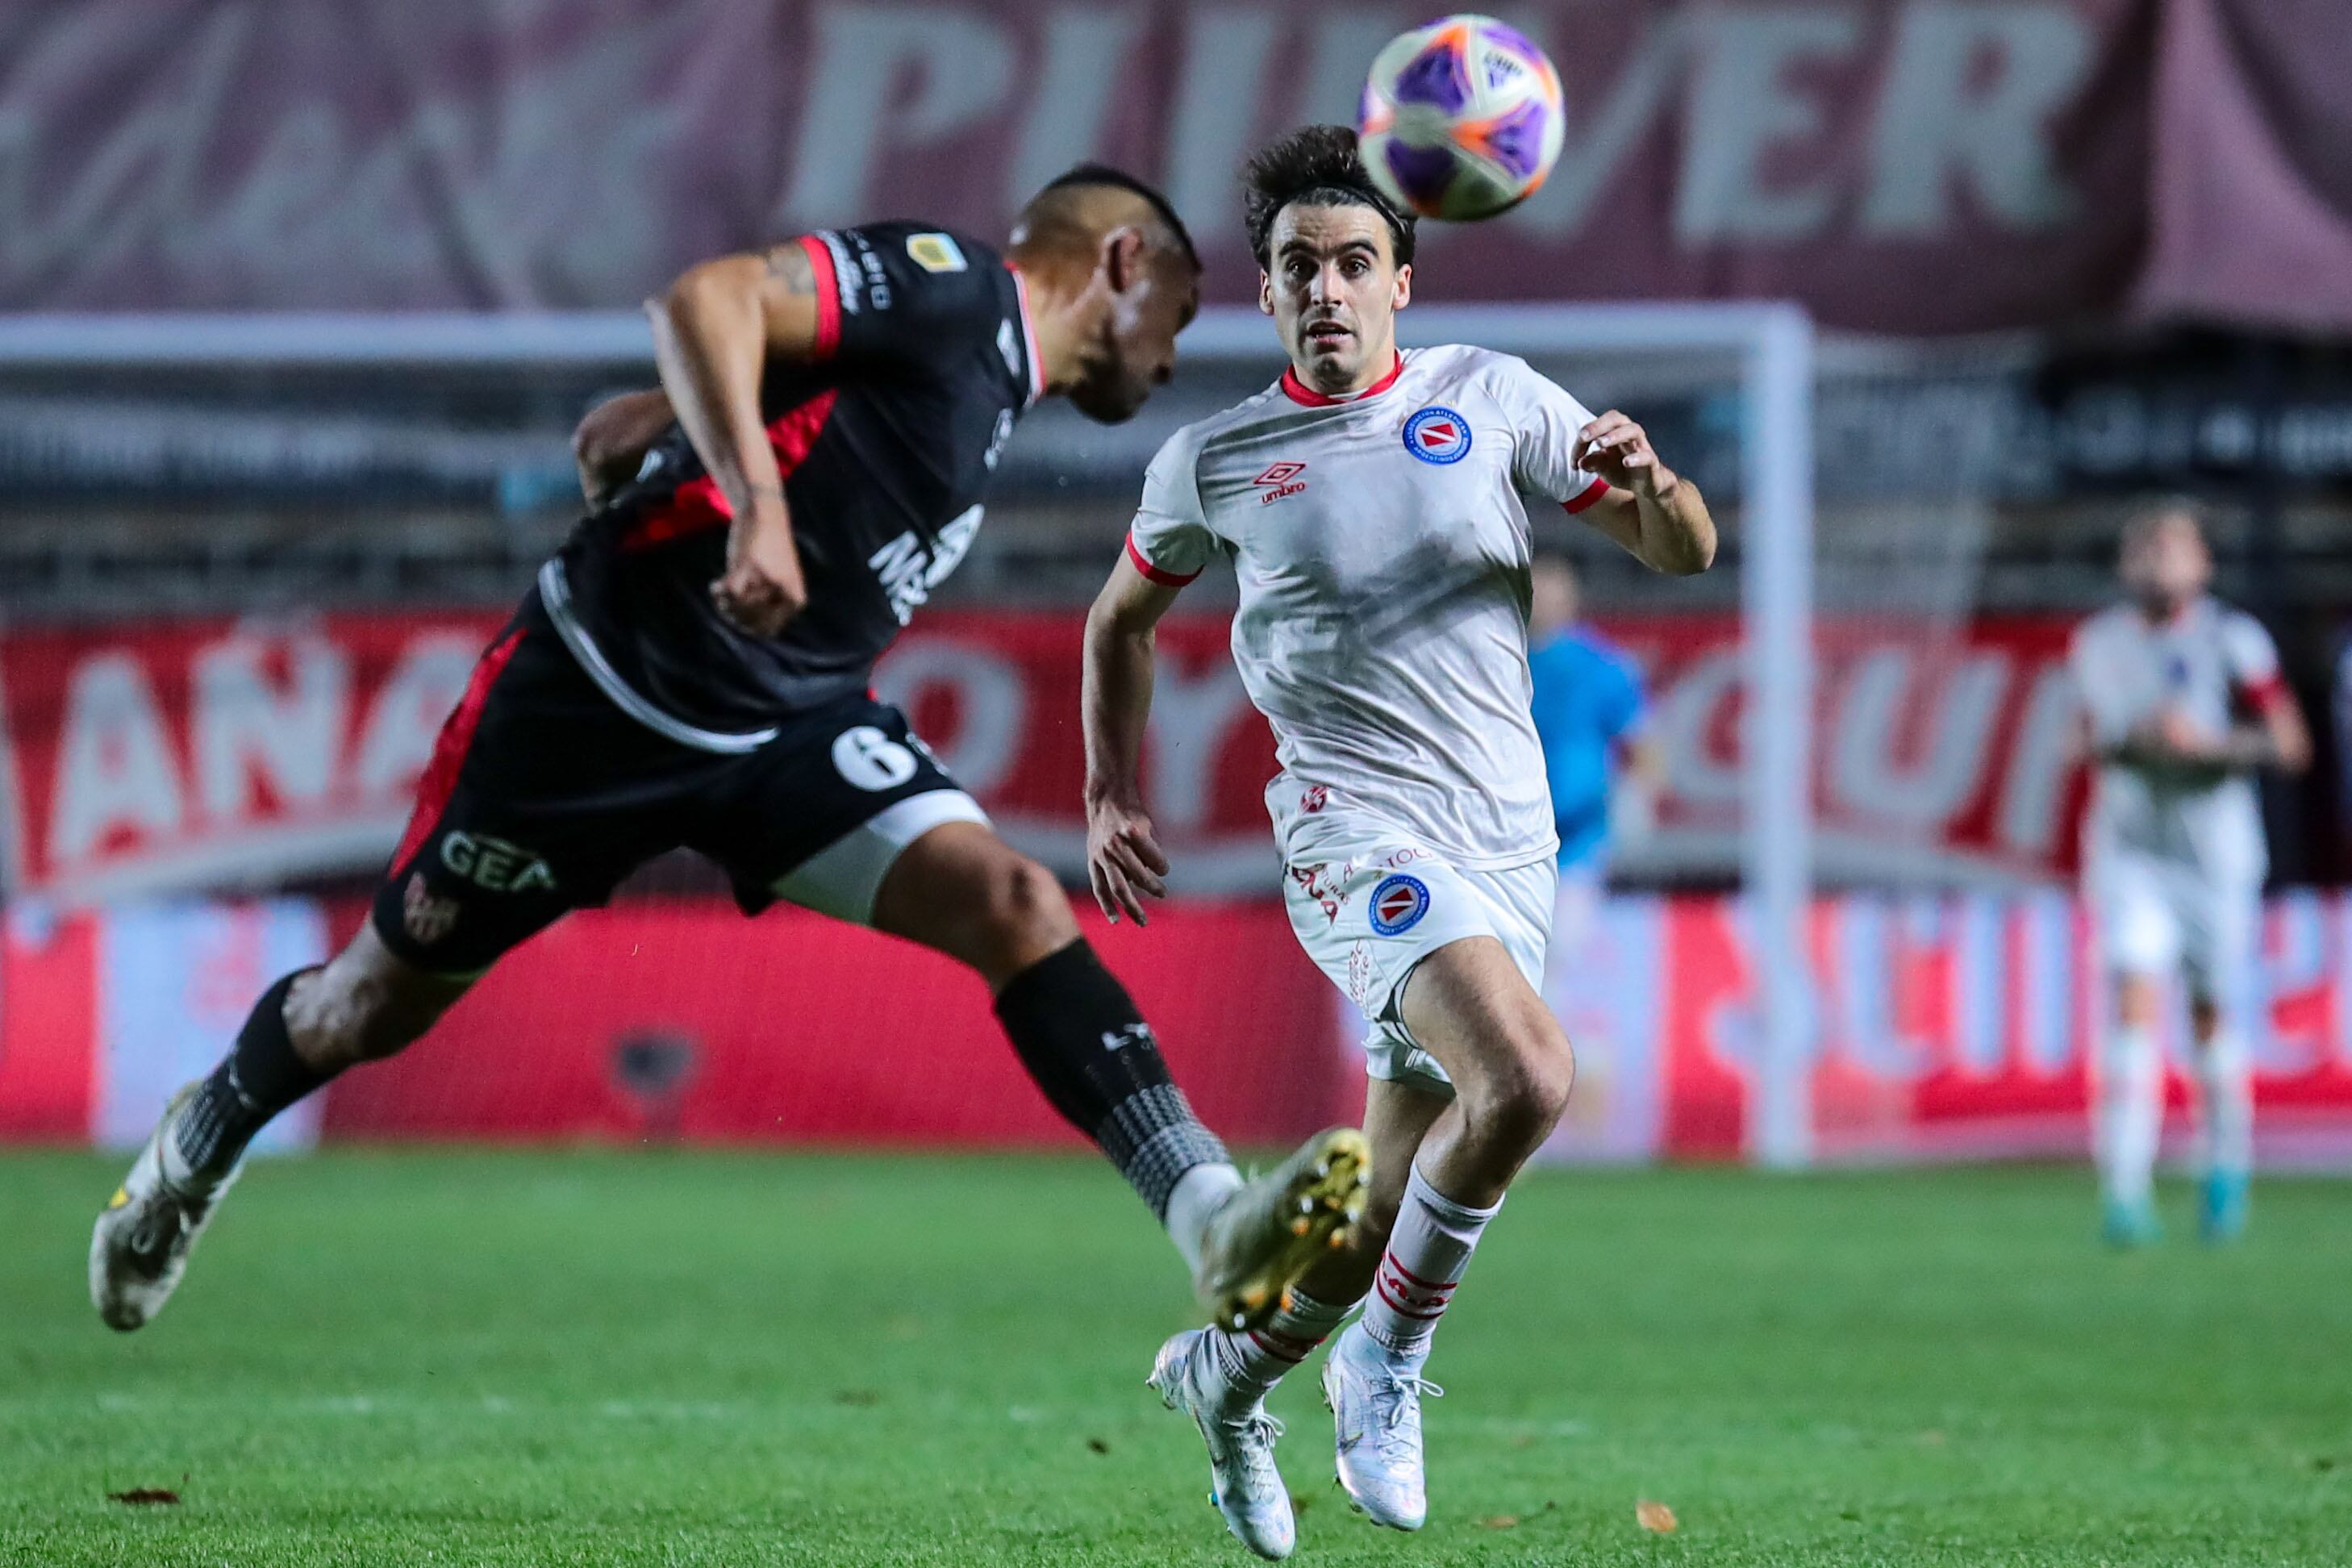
(717, 1358)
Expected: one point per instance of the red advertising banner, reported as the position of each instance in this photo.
(1924, 168)
(198, 755)
(1948, 1028)
(795, 1028)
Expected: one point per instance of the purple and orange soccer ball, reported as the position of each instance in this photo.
(1461, 118)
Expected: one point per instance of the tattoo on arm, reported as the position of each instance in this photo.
(790, 265)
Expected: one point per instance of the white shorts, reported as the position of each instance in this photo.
(2156, 915)
(1367, 919)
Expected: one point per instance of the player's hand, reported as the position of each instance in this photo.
(1614, 448)
(1124, 862)
(761, 590)
(2173, 739)
(2183, 736)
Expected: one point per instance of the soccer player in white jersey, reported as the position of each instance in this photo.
(1375, 508)
(2183, 702)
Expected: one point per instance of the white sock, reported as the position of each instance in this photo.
(2129, 1114)
(1254, 1360)
(2225, 1105)
(1198, 1194)
(1428, 1249)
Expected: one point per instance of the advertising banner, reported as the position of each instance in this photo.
(1933, 166)
(1948, 1028)
(183, 756)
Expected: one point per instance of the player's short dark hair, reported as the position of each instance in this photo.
(1316, 165)
(1120, 179)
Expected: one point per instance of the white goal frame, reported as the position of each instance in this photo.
(1771, 344)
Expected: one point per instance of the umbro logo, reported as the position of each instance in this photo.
(1126, 1035)
(1280, 480)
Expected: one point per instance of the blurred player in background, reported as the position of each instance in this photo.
(1605, 772)
(1375, 508)
(2184, 703)
(693, 668)
(1589, 710)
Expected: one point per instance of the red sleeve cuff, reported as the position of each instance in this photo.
(1586, 497)
(1169, 579)
(2265, 694)
(828, 295)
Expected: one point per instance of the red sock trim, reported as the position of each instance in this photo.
(1292, 1348)
(1398, 1307)
(1391, 1259)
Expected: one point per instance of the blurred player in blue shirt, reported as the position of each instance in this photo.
(1605, 774)
(1589, 708)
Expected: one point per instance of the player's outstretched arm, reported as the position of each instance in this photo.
(2285, 742)
(1124, 862)
(1652, 510)
(610, 443)
(714, 330)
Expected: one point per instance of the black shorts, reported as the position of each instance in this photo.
(542, 795)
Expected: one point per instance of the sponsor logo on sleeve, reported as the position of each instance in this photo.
(1437, 435)
(935, 252)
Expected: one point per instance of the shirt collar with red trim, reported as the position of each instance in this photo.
(1028, 338)
(1299, 392)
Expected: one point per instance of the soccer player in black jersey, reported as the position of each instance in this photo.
(692, 668)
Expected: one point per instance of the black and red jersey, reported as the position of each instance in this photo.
(925, 357)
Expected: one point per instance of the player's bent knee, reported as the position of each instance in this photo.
(1026, 912)
(1520, 1097)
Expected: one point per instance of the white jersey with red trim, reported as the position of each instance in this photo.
(1381, 543)
(2210, 664)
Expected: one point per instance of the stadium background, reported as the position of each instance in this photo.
(304, 301)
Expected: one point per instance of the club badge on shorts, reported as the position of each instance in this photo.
(426, 916)
(1437, 435)
(1398, 904)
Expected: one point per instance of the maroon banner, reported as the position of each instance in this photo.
(199, 754)
(2252, 217)
(1927, 167)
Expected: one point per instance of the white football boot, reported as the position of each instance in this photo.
(1276, 1227)
(1375, 1411)
(140, 1247)
(1244, 1484)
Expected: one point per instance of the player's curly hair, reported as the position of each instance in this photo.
(1316, 165)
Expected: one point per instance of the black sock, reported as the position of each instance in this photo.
(1080, 1037)
(260, 1077)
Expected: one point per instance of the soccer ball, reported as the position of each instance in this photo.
(1461, 118)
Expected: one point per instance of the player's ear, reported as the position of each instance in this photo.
(1402, 295)
(1265, 293)
(1122, 257)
